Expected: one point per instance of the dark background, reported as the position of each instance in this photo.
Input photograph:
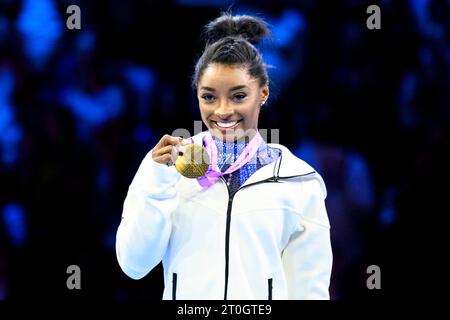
(79, 109)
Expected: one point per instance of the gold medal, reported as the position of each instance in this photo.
(193, 162)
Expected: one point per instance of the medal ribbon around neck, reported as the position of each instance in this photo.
(213, 173)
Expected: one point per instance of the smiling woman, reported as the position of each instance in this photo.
(237, 232)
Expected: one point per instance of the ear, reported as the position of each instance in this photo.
(265, 93)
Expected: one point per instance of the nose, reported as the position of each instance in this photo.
(224, 111)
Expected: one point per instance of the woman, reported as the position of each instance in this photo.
(255, 227)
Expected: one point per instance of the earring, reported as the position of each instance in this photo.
(262, 102)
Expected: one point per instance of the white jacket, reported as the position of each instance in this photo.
(271, 241)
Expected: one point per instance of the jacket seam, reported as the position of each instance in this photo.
(318, 223)
(288, 209)
(174, 286)
(270, 288)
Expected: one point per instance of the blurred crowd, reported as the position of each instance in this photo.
(79, 109)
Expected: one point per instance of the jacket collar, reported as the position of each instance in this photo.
(285, 166)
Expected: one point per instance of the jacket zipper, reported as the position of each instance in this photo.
(227, 239)
(228, 224)
(227, 230)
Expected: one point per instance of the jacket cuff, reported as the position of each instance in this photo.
(153, 178)
(162, 174)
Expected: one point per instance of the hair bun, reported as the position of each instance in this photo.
(251, 28)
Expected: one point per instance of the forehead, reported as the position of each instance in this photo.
(221, 75)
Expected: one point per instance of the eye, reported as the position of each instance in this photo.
(239, 97)
(208, 98)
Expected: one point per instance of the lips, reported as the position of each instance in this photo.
(226, 124)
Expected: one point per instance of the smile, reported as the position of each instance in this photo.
(226, 125)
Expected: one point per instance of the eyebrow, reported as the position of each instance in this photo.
(232, 89)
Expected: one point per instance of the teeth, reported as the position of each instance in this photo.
(226, 124)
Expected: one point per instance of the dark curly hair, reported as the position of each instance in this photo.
(230, 40)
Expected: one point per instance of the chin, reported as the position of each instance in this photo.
(236, 134)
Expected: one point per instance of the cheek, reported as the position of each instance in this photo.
(204, 113)
(252, 112)
(204, 110)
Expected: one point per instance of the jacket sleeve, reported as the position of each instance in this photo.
(307, 258)
(144, 231)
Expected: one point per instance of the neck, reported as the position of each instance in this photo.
(245, 138)
(229, 150)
